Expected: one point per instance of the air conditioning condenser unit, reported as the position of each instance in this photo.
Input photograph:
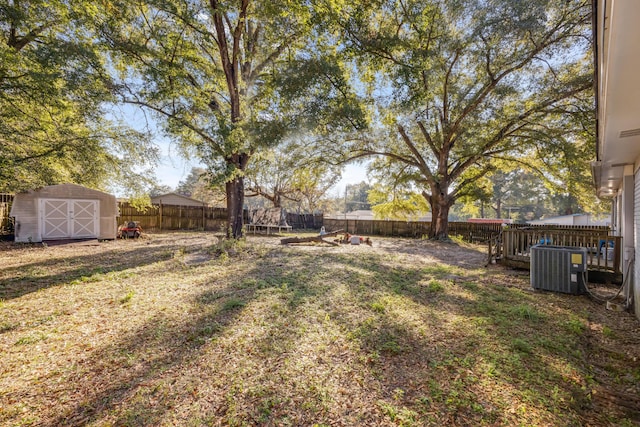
(559, 269)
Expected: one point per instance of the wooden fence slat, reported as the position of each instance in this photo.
(518, 242)
(476, 232)
(170, 217)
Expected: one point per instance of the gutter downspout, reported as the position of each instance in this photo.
(596, 82)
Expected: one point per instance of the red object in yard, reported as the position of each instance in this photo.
(130, 230)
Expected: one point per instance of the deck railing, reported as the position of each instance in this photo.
(604, 250)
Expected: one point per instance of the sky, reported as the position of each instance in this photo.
(174, 168)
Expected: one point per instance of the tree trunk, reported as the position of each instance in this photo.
(235, 204)
(235, 198)
(440, 205)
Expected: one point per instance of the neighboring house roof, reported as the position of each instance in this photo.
(368, 215)
(490, 220)
(616, 32)
(360, 214)
(575, 219)
(176, 200)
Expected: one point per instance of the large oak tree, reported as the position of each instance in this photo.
(229, 78)
(465, 82)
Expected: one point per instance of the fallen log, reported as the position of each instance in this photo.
(318, 239)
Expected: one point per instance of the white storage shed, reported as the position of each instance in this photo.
(65, 211)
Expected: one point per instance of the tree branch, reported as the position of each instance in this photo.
(505, 131)
(18, 43)
(421, 164)
(427, 137)
(172, 116)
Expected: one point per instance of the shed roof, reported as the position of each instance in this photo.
(66, 190)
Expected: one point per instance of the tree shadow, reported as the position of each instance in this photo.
(513, 344)
(153, 352)
(449, 253)
(27, 278)
(144, 357)
(425, 340)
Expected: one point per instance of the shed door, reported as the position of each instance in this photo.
(69, 219)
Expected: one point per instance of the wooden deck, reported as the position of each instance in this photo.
(604, 257)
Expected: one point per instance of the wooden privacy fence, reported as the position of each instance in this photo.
(169, 217)
(604, 250)
(472, 232)
(377, 227)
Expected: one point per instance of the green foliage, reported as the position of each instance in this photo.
(31, 339)
(127, 298)
(357, 196)
(471, 90)
(435, 286)
(291, 176)
(521, 345)
(226, 248)
(313, 181)
(140, 202)
(396, 203)
(198, 185)
(525, 193)
(54, 87)
(608, 332)
(229, 79)
(233, 303)
(575, 325)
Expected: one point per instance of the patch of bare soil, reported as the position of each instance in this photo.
(454, 253)
(613, 345)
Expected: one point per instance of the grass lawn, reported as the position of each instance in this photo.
(179, 329)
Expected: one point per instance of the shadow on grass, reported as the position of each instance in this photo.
(28, 278)
(495, 336)
(144, 357)
(440, 348)
(135, 392)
